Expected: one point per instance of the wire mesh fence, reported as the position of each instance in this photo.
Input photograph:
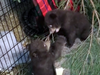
(13, 54)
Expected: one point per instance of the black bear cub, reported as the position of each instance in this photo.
(43, 55)
(42, 59)
(68, 23)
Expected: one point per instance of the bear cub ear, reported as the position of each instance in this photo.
(53, 15)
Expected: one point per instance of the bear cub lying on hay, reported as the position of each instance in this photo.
(42, 56)
(68, 23)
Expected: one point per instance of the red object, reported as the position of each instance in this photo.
(71, 3)
(78, 8)
(72, 6)
(54, 3)
(44, 6)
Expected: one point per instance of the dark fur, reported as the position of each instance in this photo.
(73, 24)
(42, 60)
(57, 47)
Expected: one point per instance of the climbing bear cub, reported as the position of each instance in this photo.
(68, 23)
(43, 55)
(42, 60)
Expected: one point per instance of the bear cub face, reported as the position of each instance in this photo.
(52, 21)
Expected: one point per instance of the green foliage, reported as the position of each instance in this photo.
(84, 60)
(89, 10)
(60, 4)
